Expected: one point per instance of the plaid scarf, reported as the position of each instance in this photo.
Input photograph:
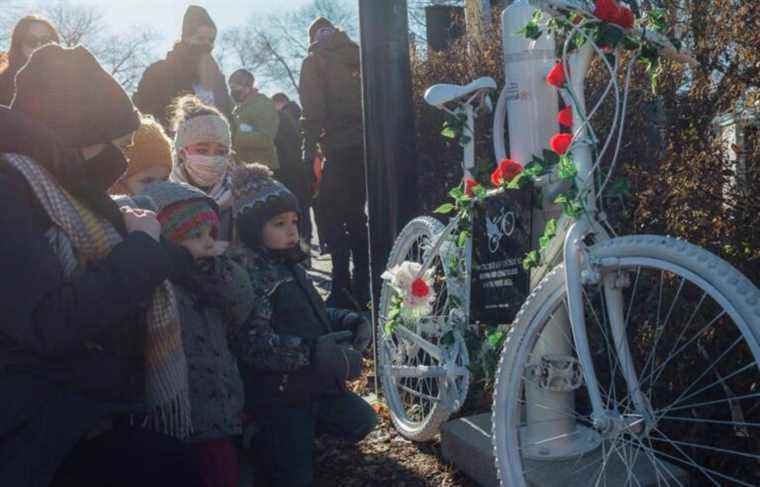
(81, 237)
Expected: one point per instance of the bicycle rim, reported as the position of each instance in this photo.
(696, 357)
(418, 405)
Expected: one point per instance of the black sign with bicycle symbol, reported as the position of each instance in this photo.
(500, 240)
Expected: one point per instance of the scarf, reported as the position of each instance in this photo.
(80, 237)
(221, 192)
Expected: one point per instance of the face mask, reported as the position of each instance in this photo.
(102, 171)
(206, 171)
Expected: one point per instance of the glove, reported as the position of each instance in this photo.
(337, 363)
(362, 330)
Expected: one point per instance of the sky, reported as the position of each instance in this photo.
(165, 16)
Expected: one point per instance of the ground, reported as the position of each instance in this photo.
(384, 458)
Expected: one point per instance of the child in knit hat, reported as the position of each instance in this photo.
(202, 154)
(214, 297)
(149, 157)
(295, 355)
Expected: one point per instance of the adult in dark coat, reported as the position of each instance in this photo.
(292, 172)
(71, 348)
(282, 102)
(30, 33)
(330, 89)
(189, 68)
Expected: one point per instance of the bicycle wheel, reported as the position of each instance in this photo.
(423, 361)
(692, 327)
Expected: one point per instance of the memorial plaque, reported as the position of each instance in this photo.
(500, 241)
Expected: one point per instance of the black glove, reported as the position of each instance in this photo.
(337, 363)
(361, 328)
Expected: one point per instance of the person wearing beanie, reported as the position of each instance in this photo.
(214, 297)
(295, 355)
(87, 304)
(255, 122)
(149, 158)
(331, 123)
(189, 68)
(202, 155)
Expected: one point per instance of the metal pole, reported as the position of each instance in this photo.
(389, 148)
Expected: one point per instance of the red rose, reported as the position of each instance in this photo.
(625, 18)
(420, 289)
(468, 185)
(556, 76)
(607, 10)
(565, 117)
(506, 172)
(560, 143)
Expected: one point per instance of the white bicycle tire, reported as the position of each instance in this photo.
(429, 427)
(739, 298)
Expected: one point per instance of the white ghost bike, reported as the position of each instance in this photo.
(635, 360)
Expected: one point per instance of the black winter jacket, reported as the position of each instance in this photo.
(275, 346)
(70, 350)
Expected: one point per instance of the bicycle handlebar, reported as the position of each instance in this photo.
(665, 47)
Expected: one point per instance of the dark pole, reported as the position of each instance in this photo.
(389, 152)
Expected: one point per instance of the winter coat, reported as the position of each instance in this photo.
(330, 90)
(211, 299)
(71, 350)
(254, 127)
(176, 75)
(292, 109)
(292, 173)
(275, 345)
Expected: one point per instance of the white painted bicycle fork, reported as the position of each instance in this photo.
(552, 432)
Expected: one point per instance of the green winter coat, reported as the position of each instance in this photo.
(331, 94)
(254, 128)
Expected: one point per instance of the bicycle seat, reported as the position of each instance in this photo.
(440, 94)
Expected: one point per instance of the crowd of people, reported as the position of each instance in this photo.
(158, 322)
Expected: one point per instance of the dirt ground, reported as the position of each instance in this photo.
(384, 458)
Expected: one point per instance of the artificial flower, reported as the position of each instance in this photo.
(468, 185)
(607, 10)
(565, 117)
(420, 289)
(505, 172)
(556, 76)
(560, 143)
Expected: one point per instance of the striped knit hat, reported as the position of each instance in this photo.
(184, 211)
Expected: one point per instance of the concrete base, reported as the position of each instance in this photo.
(466, 442)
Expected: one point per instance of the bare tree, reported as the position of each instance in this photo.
(76, 23)
(125, 54)
(274, 45)
(9, 14)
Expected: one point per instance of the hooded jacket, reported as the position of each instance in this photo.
(172, 77)
(330, 90)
